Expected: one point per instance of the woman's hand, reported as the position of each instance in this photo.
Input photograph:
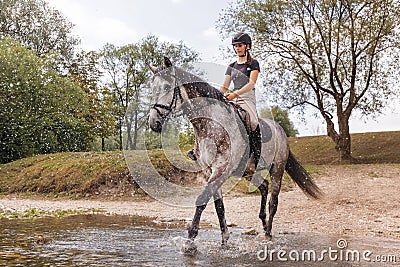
(231, 96)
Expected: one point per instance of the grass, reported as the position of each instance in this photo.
(34, 213)
(86, 174)
(105, 174)
(72, 174)
(374, 147)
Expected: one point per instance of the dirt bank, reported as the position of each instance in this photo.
(361, 201)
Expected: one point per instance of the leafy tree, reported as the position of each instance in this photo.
(38, 27)
(85, 70)
(41, 112)
(282, 117)
(334, 55)
(186, 136)
(128, 77)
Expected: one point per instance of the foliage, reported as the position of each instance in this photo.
(186, 137)
(334, 55)
(41, 112)
(281, 117)
(85, 70)
(128, 77)
(38, 27)
(35, 213)
(153, 140)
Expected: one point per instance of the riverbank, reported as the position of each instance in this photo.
(360, 201)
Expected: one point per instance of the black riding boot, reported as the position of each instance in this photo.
(255, 141)
(191, 154)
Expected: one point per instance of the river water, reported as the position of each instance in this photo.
(101, 240)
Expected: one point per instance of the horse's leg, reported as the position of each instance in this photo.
(201, 204)
(213, 185)
(219, 207)
(262, 185)
(276, 174)
(264, 193)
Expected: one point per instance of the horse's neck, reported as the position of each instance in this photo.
(190, 91)
(204, 105)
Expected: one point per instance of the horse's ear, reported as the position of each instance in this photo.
(167, 62)
(153, 69)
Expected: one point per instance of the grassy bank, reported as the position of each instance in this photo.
(72, 174)
(375, 147)
(105, 174)
(85, 174)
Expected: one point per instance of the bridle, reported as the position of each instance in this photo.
(177, 96)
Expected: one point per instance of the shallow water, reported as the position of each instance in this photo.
(100, 240)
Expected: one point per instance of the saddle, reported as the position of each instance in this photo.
(245, 119)
(243, 116)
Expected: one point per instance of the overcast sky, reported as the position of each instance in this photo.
(122, 22)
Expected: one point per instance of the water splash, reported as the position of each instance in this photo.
(185, 246)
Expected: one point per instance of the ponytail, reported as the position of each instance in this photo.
(249, 58)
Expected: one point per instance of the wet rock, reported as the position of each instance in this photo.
(40, 240)
(231, 224)
(9, 210)
(263, 238)
(250, 231)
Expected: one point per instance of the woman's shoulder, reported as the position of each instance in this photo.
(255, 65)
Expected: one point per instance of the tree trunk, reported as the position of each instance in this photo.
(342, 139)
(128, 133)
(343, 146)
(135, 133)
(120, 135)
(103, 144)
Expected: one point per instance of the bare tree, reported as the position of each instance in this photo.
(334, 55)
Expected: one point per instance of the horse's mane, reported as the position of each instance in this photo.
(203, 88)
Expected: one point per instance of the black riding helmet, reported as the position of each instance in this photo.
(241, 38)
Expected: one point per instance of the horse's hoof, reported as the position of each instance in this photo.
(224, 244)
(189, 248)
(268, 237)
(225, 236)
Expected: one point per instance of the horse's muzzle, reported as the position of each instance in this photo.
(155, 125)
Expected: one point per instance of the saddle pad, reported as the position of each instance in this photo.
(266, 131)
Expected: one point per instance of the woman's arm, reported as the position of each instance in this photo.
(225, 85)
(249, 86)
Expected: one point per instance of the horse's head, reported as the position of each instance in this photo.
(165, 94)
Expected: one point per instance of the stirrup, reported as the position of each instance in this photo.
(191, 154)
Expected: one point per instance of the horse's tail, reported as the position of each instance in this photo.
(302, 178)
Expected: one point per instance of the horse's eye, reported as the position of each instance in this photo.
(167, 88)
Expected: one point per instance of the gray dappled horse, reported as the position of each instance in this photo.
(221, 145)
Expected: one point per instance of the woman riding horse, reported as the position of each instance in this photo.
(221, 143)
(243, 72)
